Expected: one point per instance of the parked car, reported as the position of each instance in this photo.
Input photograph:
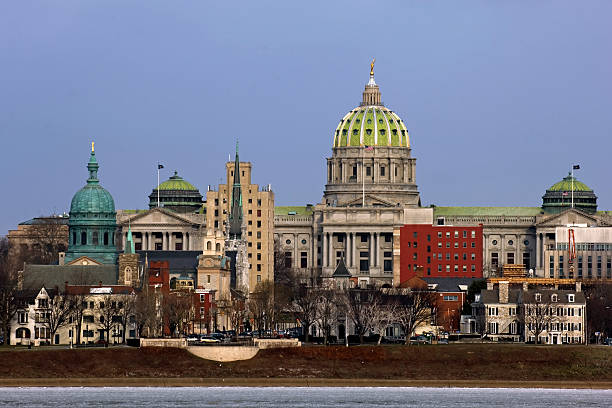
(192, 337)
(209, 339)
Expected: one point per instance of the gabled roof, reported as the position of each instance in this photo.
(341, 270)
(562, 296)
(550, 219)
(178, 261)
(450, 284)
(142, 214)
(492, 296)
(50, 276)
(86, 289)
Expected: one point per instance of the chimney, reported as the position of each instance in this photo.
(578, 286)
(62, 258)
(503, 292)
(489, 285)
(525, 286)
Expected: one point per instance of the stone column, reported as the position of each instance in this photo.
(324, 249)
(502, 261)
(372, 253)
(378, 263)
(170, 242)
(485, 254)
(165, 241)
(354, 250)
(187, 241)
(538, 248)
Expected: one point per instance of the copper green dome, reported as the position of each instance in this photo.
(569, 193)
(92, 223)
(177, 195)
(176, 183)
(93, 198)
(371, 124)
(566, 185)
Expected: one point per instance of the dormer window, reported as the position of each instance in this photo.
(380, 121)
(554, 297)
(394, 132)
(369, 131)
(344, 132)
(355, 131)
(382, 131)
(570, 298)
(538, 297)
(369, 121)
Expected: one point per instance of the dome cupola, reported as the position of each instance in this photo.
(177, 195)
(567, 192)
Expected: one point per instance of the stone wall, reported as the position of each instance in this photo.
(224, 353)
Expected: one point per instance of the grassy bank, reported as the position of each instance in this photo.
(473, 363)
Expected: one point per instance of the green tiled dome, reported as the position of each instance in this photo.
(371, 126)
(566, 185)
(92, 198)
(176, 183)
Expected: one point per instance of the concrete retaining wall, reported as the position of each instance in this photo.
(224, 353)
(276, 343)
(177, 343)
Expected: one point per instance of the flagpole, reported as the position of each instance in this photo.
(157, 184)
(362, 178)
(572, 186)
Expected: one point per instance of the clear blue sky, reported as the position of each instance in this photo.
(500, 97)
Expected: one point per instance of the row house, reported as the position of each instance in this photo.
(545, 316)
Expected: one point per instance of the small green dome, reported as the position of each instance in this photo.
(176, 183)
(566, 185)
(371, 126)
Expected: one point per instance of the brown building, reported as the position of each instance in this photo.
(258, 215)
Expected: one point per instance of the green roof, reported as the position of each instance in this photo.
(371, 126)
(487, 211)
(295, 210)
(175, 183)
(566, 185)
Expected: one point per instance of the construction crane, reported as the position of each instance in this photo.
(571, 249)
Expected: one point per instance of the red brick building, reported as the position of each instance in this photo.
(440, 251)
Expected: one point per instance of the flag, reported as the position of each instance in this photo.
(369, 147)
(576, 166)
(565, 193)
(160, 166)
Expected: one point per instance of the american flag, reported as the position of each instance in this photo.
(369, 147)
(565, 193)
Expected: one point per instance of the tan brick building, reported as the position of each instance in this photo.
(258, 215)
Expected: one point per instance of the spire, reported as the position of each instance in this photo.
(371, 94)
(129, 244)
(235, 218)
(92, 167)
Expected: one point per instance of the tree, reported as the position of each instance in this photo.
(414, 307)
(261, 305)
(58, 313)
(382, 310)
(475, 287)
(126, 305)
(328, 304)
(109, 310)
(48, 237)
(357, 305)
(304, 306)
(146, 314)
(237, 312)
(177, 308)
(599, 309)
(539, 314)
(78, 305)
(8, 288)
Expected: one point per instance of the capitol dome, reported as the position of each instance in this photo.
(371, 124)
(559, 196)
(177, 195)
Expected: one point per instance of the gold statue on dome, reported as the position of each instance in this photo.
(372, 66)
(92, 147)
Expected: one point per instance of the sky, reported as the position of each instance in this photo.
(500, 98)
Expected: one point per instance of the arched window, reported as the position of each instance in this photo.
(74, 237)
(94, 238)
(84, 238)
(127, 276)
(208, 246)
(218, 247)
(106, 238)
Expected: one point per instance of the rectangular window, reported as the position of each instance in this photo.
(439, 268)
(304, 260)
(590, 266)
(599, 266)
(451, 298)
(494, 259)
(363, 237)
(447, 268)
(382, 171)
(439, 235)
(388, 237)
(258, 267)
(258, 278)
(456, 234)
(364, 265)
(388, 265)
(609, 268)
(561, 271)
(288, 261)
(473, 268)
(527, 260)
(368, 171)
(473, 234)
(510, 258)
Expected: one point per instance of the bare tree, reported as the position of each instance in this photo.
(110, 313)
(382, 310)
(539, 314)
(328, 305)
(261, 305)
(357, 305)
(177, 308)
(237, 312)
(8, 288)
(126, 304)
(599, 309)
(145, 312)
(304, 306)
(58, 312)
(414, 307)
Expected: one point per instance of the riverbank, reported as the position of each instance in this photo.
(468, 365)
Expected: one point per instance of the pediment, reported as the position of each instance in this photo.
(84, 260)
(569, 216)
(157, 216)
(370, 200)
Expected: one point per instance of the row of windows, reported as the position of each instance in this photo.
(580, 266)
(585, 246)
(108, 239)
